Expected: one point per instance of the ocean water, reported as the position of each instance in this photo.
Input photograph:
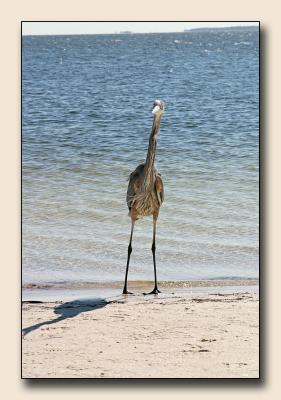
(86, 120)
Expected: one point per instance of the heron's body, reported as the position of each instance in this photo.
(143, 202)
(145, 192)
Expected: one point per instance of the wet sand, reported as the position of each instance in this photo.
(177, 334)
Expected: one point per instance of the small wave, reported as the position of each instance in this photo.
(243, 43)
(93, 114)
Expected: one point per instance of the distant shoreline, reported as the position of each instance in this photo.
(129, 33)
(226, 28)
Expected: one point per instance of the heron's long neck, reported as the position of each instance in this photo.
(151, 152)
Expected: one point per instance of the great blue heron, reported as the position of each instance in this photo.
(146, 191)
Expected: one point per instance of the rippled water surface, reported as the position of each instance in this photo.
(86, 121)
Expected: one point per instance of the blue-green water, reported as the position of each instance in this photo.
(86, 121)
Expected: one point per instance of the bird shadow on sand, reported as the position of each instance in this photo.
(68, 310)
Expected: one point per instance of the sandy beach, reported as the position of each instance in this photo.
(177, 334)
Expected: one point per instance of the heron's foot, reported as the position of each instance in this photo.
(125, 291)
(154, 291)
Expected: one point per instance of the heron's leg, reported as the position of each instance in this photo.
(153, 248)
(125, 291)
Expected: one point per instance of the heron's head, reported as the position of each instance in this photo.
(158, 108)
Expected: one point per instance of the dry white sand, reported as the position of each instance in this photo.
(178, 335)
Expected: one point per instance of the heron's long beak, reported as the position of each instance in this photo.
(155, 109)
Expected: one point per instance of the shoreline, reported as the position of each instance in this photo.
(70, 290)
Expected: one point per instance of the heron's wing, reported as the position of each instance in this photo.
(133, 187)
(159, 187)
